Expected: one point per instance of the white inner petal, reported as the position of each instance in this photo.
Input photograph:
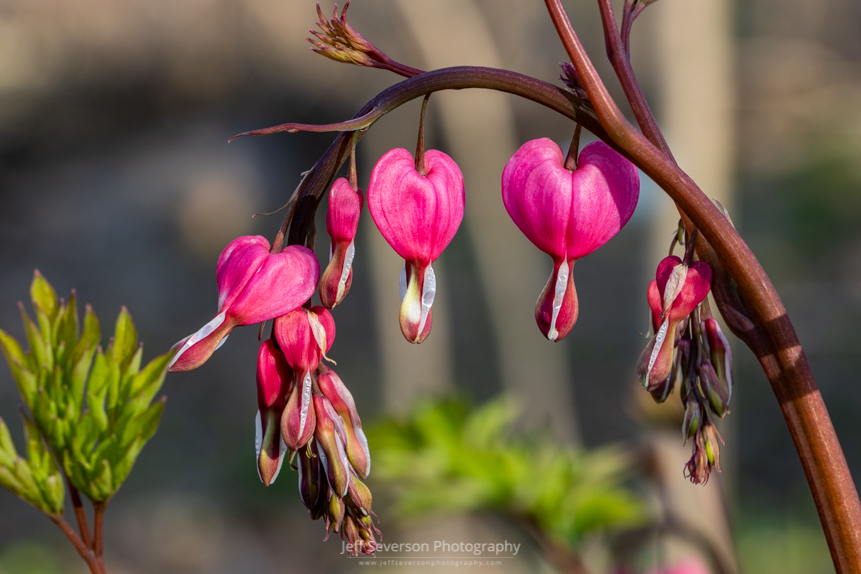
(317, 330)
(659, 342)
(342, 454)
(558, 297)
(345, 271)
(203, 333)
(331, 251)
(306, 402)
(258, 443)
(403, 282)
(674, 285)
(428, 294)
(363, 442)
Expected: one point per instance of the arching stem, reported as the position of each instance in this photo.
(420, 144)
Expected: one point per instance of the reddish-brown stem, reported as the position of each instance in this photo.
(94, 562)
(622, 65)
(573, 149)
(771, 335)
(98, 531)
(420, 144)
(80, 513)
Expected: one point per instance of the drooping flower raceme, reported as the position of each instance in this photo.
(681, 289)
(342, 220)
(418, 216)
(253, 286)
(567, 214)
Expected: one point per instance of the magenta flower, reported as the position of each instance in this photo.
(418, 215)
(681, 289)
(273, 382)
(567, 214)
(342, 220)
(253, 286)
(304, 335)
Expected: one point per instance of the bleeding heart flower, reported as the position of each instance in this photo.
(418, 215)
(253, 286)
(273, 382)
(567, 214)
(681, 289)
(304, 335)
(342, 220)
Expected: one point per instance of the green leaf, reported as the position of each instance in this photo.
(125, 339)
(123, 466)
(12, 349)
(67, 328)
(24, 378)
(86, 435)
(36, 451)
(78, 375)
(42, 351)
(101, 487)
(90, 335)
(96, 391)
(77, 470)
(7, 447)
(43, 295)
(29, 490)
(54, 493)
(144, 425)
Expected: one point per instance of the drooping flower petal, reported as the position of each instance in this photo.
(342, 220)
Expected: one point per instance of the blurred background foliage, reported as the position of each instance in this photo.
(116, 179)
(450, 457)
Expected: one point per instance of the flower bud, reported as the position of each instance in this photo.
(720, 354)
(331, 438)
(359, 497)
(313, 487)
(273, 381)
(299, 418)
(713, 388)
(342, 220)
(342, 401)
(336, 510)
(691, 424)
(682, 288)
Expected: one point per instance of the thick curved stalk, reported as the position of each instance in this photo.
(317, 180)
(771, 335)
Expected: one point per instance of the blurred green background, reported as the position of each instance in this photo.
(116, 179)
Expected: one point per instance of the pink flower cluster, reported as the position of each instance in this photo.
(305, 412)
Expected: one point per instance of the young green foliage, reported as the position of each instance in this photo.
(92, 407)
(447, 457)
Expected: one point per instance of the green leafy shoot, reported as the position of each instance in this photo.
(93, 408)
(448, 457)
